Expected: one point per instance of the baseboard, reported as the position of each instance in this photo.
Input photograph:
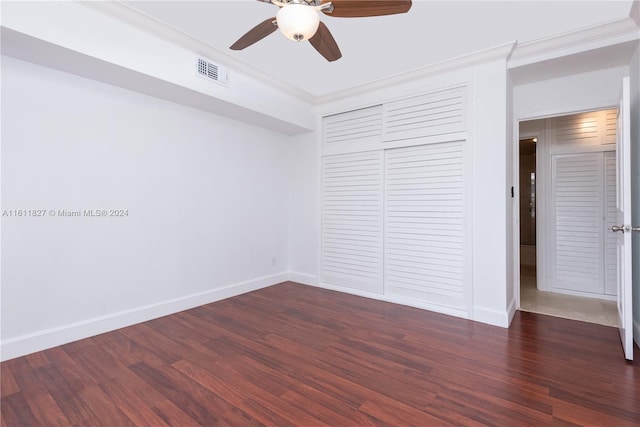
(483, 315)
(493, 317)
(303, 278)
(511, 310)
(48, 338)
(583, 294)
(451, 311)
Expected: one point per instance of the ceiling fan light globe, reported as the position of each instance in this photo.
(298, 21)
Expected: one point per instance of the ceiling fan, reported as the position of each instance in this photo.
(298, 20)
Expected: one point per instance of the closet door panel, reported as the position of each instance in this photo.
(576, 130)
(424, 223)
(352, 220)
(436, 113)
(577, 208)
(351, 131)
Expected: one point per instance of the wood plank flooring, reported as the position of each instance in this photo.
(293, 355)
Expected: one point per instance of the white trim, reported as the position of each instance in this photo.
(491, 316)
(303, 278)
(144, 22)
(588, 38)
(634, 12)
(568, 110)
(468, 174)
(131, 16)
(582, 149)
(583, 294)
(511, 309)
(517, 55)
(515, 221)
(319, 197)
(451, 311)
(465, 61)
(47, 338)
(402, 143)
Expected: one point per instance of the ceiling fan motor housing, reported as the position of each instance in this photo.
(299, 20)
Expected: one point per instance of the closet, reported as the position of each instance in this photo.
(580, 155)
(396, 200)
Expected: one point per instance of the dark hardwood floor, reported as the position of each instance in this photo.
(293, 355)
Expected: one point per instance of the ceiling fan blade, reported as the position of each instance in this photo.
(325, 44)
(255, 34)
(362, 8)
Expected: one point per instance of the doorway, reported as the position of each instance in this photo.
(562, 163)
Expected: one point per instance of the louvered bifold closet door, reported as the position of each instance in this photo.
(424, 223)
(352, 207)
(577, 203)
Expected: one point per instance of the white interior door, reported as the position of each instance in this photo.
(623, 226)
(577, 201)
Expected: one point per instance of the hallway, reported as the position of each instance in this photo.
(590, 310)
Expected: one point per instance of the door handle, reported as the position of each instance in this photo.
(622, 228)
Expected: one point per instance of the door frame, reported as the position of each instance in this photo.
(516, 206)
(540, 202)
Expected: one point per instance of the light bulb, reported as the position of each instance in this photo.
(298, 21)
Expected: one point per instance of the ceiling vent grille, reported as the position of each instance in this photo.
(210, 71)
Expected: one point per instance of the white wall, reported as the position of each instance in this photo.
(491, 194)
(579, 92)
(513, 253)
(74, 37)
(304, 214)
(207, 199)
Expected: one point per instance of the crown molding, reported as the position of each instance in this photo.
(584, 39)
(516, 54)
(128, 15)
(634, 12)
(499, 52)
(131, 16)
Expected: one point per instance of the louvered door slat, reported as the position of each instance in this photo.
(610, 260)
(577, 129)
(436, 113)
(609, 126)
(353, 127)
(577, 182)
(424, 223)
(352, 220)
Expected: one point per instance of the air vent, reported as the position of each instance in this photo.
(213, 72)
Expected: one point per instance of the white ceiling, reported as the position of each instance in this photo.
(378, 47)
